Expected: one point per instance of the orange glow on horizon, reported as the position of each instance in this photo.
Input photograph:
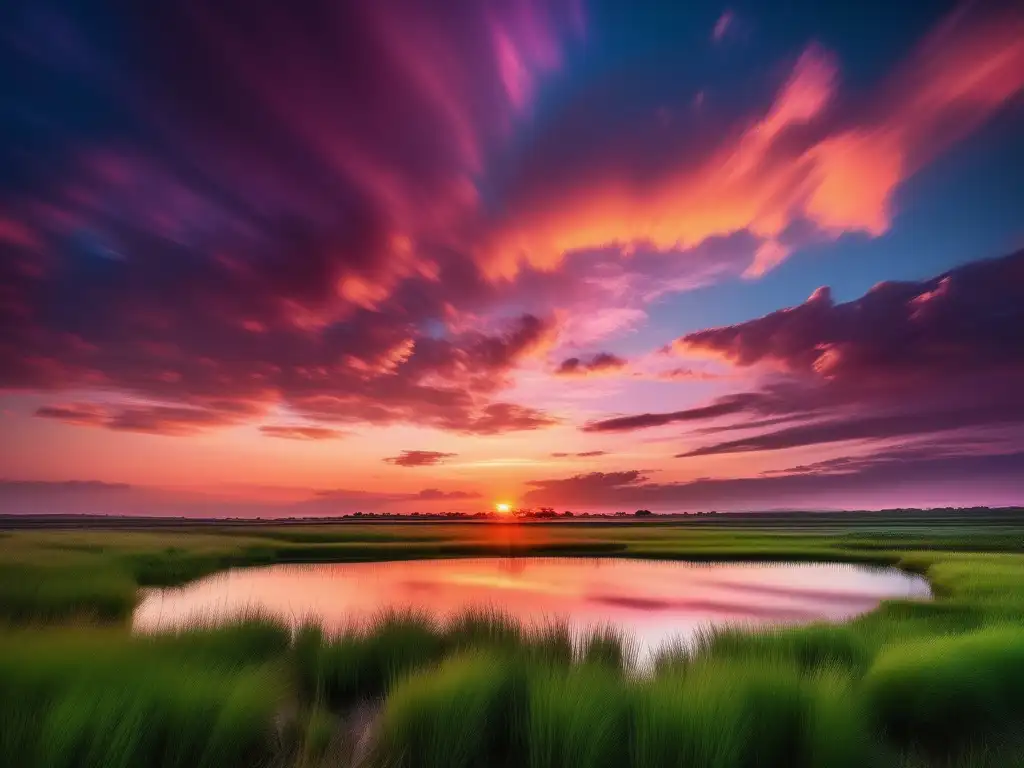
(503, 509)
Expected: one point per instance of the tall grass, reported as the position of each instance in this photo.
(809, 648)
(951, 692)
(363, 663)
(486, 710)
(98, 699)
(610, 647)
(469, 712)
(578, 718)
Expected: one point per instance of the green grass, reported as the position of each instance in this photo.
(469, 712)
(578, 717)
(809, 648)
(96, 698)
(949, 692)
(610, 647)
(912, 684)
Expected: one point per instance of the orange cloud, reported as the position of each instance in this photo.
(798, 161)
(298, 432)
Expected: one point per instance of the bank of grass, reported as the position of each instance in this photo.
(913, 684)
(51, 575)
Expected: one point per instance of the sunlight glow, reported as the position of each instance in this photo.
(503, 509)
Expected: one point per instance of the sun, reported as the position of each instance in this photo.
(502, 508)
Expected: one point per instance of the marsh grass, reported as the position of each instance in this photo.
(947, 693)
(578, 717)
(87, 698)
(745, 713)
(809, 648)
(913, 684)
(362, 662)
(468, 712)
(610, 647)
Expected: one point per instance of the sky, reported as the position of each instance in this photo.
(329, 256)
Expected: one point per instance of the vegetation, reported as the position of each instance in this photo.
(937, 683)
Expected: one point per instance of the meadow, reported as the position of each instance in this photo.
(912, 683)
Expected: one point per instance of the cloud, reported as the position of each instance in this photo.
(966, 318)
(812, 158)
(342, 500)
(337, 213)
(49, 497)
(890, 478)
(366, 370)
(880, 427)
(174, 421)
(79, 414)
(296, 432)
(905, 359)
(275, 234)
(433, 494)
(581, 455)
(419, 458)
(600, 364)
(724, 406)
(60, 486)
(722, 26)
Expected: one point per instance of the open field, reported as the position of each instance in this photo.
(910, 684)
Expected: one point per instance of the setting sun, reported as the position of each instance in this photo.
(503, 509)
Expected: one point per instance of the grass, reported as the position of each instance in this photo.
(96, 698)
(467, 713)
(949, 692)
(911, 684)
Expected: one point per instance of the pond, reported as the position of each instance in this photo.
(656, 601)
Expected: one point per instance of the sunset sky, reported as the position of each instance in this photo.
(265, 258)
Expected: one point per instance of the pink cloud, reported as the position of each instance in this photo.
(19, 234)
(906, 359)
(601, 364)
(808, 157)
(167, 420)
(722, 26)
(419, 458)
(298, 432)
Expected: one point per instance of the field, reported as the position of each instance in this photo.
(937, 683)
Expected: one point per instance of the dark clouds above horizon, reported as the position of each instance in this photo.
(335, 229)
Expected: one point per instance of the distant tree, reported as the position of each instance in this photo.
(642, 512)
(567, 513)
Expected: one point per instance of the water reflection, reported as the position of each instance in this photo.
(657, 601)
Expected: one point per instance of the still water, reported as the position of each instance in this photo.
(656, 601)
